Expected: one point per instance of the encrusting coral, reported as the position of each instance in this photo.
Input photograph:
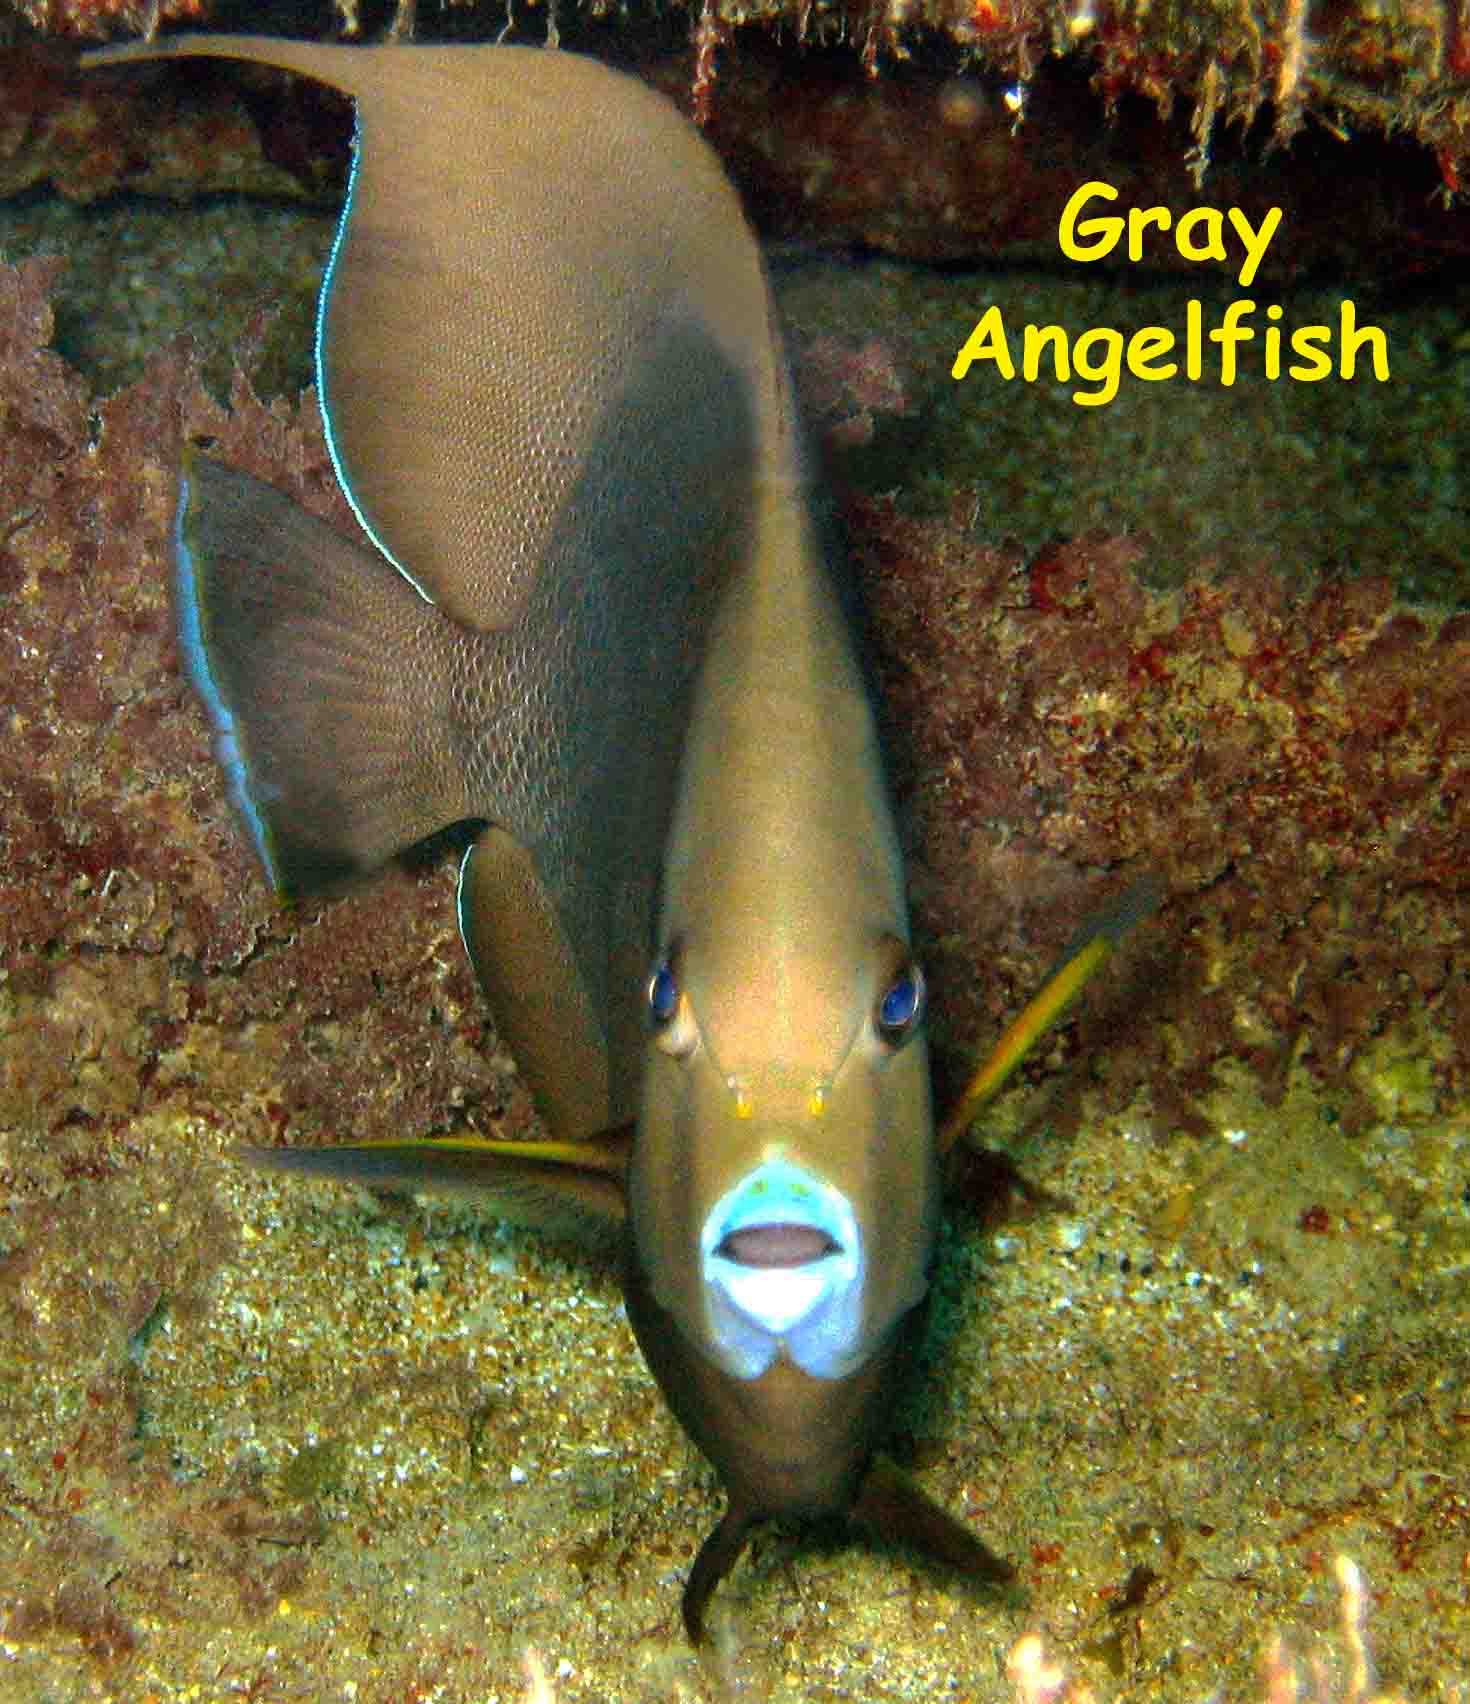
(1402, 67)
(1295, 764)
(120, 856)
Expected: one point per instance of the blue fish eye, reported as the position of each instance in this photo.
(901, 1005)
(671, 1020)
(663, 994)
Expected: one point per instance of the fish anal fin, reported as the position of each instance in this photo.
(891, 1505)
(567, 1188)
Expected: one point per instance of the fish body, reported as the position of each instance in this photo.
(557, 403)
(774, 1096)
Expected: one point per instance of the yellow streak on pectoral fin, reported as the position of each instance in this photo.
(1082, 958)
(565, 1187)
(1021, 1035)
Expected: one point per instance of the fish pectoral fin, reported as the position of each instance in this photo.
(717, 1556)
(891, 1505)
(1082, 957)
(568, 1188)
(526, 962)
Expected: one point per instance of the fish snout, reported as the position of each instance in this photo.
(781, 1264)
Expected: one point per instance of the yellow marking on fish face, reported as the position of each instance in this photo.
(745, 1104)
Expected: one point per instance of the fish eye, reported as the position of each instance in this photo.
(663, 993)
(669, 1015)
(900, 1007)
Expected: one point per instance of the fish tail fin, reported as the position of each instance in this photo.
(326, 677)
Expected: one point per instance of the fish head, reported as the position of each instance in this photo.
(783, 1189)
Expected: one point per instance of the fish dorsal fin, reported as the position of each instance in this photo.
(567, 1188)
(494, 275)
(555, 398)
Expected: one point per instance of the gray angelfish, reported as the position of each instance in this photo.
(590, 608)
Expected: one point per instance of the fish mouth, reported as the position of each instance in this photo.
(777, 1245)
(782, 1269)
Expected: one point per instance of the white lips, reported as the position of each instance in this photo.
(812, 1310)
